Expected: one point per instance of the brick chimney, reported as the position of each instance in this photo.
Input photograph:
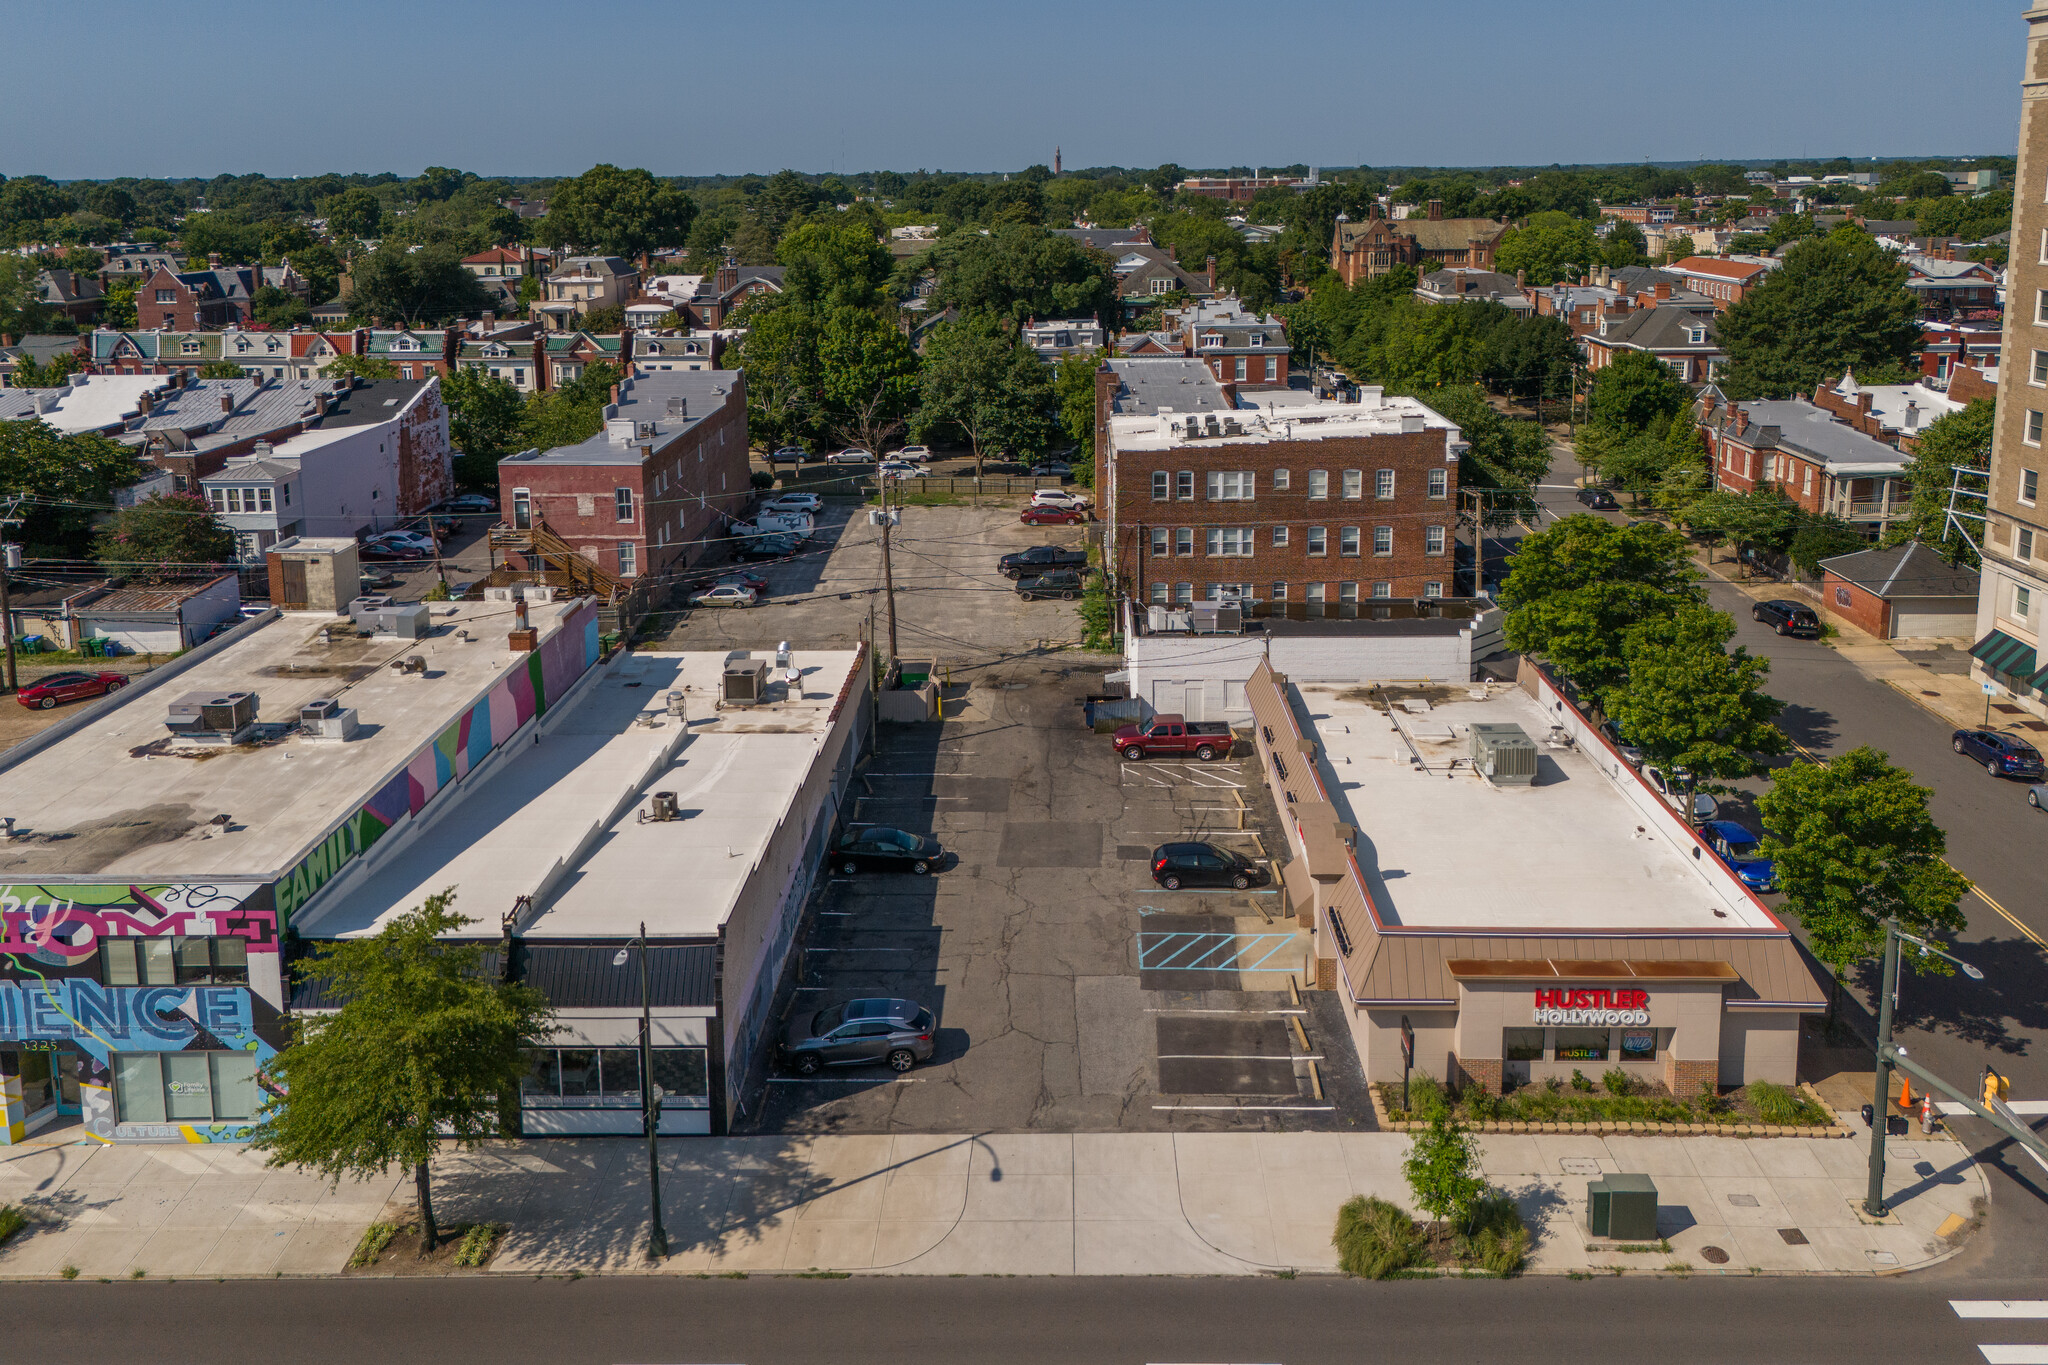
(728, 275)
(227, 401)
(1663, 291)
(626, 350)
(1436, 209)
(213, 260)
(1211, 271)
(490, 321)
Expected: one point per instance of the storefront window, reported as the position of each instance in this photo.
(609, 1078)
(620, 1072)
(1582, 1045)
(579, 1072)
(174, 961)
(1521, 1044)
(185, 1087)
(1639, 1045)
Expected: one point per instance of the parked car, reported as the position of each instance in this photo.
(1632, 752)
(1065, 584)
(1052, 469)
(46, 692)
(377, 580)
(1190, 864)
(382, 552)
(915, 454)
(1739, 848)
(470, 502)
(2035, 795)
(765, 547)
(1599, 499)
(249, 611)
(1040, 559)
(1044, 515)
(902, 469)
(880, 848)
(1172, 734)
(417, 542)
(2001, 754)
(898, 1032)
(744, 578)
(794, 502)
(850, 455)
(1059, 497)
(1677, 787)
(789, 455)
(1788, 618)
(725, 595)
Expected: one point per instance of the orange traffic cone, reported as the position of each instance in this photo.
(1905, 1094)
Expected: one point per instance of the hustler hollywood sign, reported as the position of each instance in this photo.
(1594, 1007)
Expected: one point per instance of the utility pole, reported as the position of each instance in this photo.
(650, 1100)
(10, 558)
(886, 517)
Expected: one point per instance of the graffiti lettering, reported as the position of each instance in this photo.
(62, 923)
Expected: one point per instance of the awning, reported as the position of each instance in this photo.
(2001, 653)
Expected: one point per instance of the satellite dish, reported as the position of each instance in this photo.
(619, 958)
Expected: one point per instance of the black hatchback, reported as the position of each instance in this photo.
(1178, 865)
(1597, 498)
(878, 848)
(1788, 618)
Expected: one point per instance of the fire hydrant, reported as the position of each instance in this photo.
(1926, 1111)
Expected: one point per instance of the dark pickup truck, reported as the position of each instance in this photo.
(1062, 583)
(1041, 559)
(1163, 734)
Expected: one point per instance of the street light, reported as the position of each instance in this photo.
(650, 1098)
(1873, 1198)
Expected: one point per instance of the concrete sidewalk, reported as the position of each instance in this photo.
(997, 1204)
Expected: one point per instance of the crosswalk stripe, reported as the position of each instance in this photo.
(2015, 1355)
(2024, 1108)
(2000, 1308)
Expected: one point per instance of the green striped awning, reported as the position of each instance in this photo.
(2001, 653)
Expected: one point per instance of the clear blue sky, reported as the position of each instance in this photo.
(514, 87)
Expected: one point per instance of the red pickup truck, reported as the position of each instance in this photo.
(1164, 734)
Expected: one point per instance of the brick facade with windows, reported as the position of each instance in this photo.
(1315, 505)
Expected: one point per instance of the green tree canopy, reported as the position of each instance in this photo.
(1074, 386)
(1822, 537)
(984, 382)
(868, 375)
(785, 392)
(220, 369)
(1953, 439)
(1837, 303)
(1548, 248)
(402, 287)
(274, 307)
(1576, 588)
(68, 478)
(165, 537)
(426, 1048)
(1021, 271)
(1690, 702)
(1501, 453)
(362, 367)
(1634, 393)
(834, 265)
(1856, 846)
(486, 421)
(616, 212)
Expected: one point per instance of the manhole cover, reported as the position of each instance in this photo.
(1743, 1201)
(1579, 1165)
(1713, 1256)
(1793, 1237)
(1882, 1257)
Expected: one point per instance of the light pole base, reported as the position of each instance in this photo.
(1884, 1217)
(657, 1246)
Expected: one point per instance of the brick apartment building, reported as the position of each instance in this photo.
(1727, 281)
(1817, 460)
(1303, 508)
(1373, 247)
(656, 488)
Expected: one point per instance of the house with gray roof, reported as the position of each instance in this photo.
(1681, 338)
(1902, 592)
(1810, 455)
(1464, 284)
(37, 348)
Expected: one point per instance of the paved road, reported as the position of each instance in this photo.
(1089, 1322)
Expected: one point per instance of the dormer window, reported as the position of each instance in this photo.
(1696, 335)
(1211, 339)
(272, 344)
(242, 343)
(1258, 338)
(190, 348)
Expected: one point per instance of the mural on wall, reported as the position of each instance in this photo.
(521, 695)
(60, 924)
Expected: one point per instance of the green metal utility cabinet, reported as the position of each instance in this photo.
(1622, 1207)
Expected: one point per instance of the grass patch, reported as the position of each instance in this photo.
(1377, 1240)
(1661, 1247)
(1098, 617)
(12, 1220)
(824, 1275)
(1616, 1097)
(375, 1238)
(478, 1243)
(69, 1272)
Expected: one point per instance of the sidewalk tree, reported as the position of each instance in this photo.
(1836, 303)
(425, 1048)
(1822, 537)
(1692, 703)
(1442, 1170)
(1855, 846)
(784, 390)
(487, 422)
(1634, 394)
(164, 537)
(1578, 586)
(1955, 438)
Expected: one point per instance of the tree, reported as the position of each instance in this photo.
(163, 538)
(70, 478)
(868, 374)
(1690, 702)
(1836, 303)
(1951, 440)
(1576, 588)
(572, 413)
(48, 375)
(487, 422)
(603, 321)
(221, 369)
(1855, 846)
(784, 388)
(1074, 386)
(1442, 1170)
(1511, 454)
(1635, 392)
(1764, 519)
(397, 285)
(275, 307)
(1549, 248)
(1625, 246)
(1019, 272)
(20, 313)
(362, 367)
(426, 1047)
(988, 384)
(117, 309)
(616, 212)
(834, 265)
(1822, 537)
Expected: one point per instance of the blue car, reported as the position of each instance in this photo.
(1740, 850)
(2001, 754)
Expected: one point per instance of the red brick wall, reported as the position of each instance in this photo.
(1411, 456)
(1864, 609)
(1967, 384)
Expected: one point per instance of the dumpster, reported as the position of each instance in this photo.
(1622, 1207)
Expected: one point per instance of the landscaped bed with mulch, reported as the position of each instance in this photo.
(1377, 1240)
(1615, 1097)
(392, 1247)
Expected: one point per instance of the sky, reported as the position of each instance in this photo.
(515, 87)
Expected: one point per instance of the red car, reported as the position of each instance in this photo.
(1052, 516)
(45, 693)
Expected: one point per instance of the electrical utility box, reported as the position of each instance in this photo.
(1623, 1208)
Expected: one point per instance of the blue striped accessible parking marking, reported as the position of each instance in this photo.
(1210, 952)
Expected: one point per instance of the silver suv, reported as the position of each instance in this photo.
(859, 1032)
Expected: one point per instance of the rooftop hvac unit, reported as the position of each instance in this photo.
(1156, 618)
(501, 594)
(212, 717)
(1215, 618)
(408, 621)
(1504, 754)
(540, 596)
(746, 682)
(363, 610)
(326, 718)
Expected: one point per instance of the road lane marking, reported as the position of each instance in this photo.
(2015, 1355)
(2000, 1308)
(1260, 1109)
(1238, 1057)
(2028, 1109)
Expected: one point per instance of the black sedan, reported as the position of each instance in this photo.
(1788, 618)
(2001, 754)
(1599, 499)
(878, 848)
(1190, 864)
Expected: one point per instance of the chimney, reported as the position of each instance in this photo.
(319, 405)
(148, 402)
(626, 350)
(490, 321)
(1521, 278)
(728, 275)
(227, 401)
(1663, 291)
(1212, 274)
(1436, 209)
(213, 260)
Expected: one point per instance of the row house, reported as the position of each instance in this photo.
(656, 489)
(564, 356)
(1679, 337)
(584, 284)
(703, 303)
(74, 295)
(1371, 248)
(1820, 462)
(503, 270)
(1950, 349)
(188, 300)
(1952, 289)
(1897, 414)
(133, 263)
(1306, 509)
(1642, 215)
(1248, 350)
(1726, 280)
(415, 353)
(190, 427)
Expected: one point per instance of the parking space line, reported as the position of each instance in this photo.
(1169, 1009)
(1205, 945)
(1250, 1108)
(846, 1080)
(1238, 1057)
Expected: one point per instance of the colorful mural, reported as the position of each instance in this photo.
(520, 696)
(60, 924)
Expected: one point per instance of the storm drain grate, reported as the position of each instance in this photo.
(1793, 1237)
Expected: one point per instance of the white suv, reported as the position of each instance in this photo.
(1059, 497)
(915, 454)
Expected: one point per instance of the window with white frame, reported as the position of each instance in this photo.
(1432, 590)
(2041, 305)
(1314, 596)
(2033, 436)
(628, 558)
(1279, 592)
(1231, 540)
(2022, 603)
(1439, 483)
(2030, 486)
(1347, 595)
(1230, 485)
(1162, 485)
(1184, 485)
(1162, 285)
(1183, 593)
(1239, 370)
(1353, 483)
(1280, 481)
(1347, 541)
(1159, 594)
(2040, 368)
(1318, 484)
(1279, 537)
(622, 504)
(2023, 545)
(1383, 483)
(1318, 541)
(1160, 545)
(1383, 540)
(1433, 540)
(1272, 369)
(1184, 540)
(1383, 589)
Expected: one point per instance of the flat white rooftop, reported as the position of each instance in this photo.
(1442, 847)
(1261, 418)
(576, 799)
(120, 796)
